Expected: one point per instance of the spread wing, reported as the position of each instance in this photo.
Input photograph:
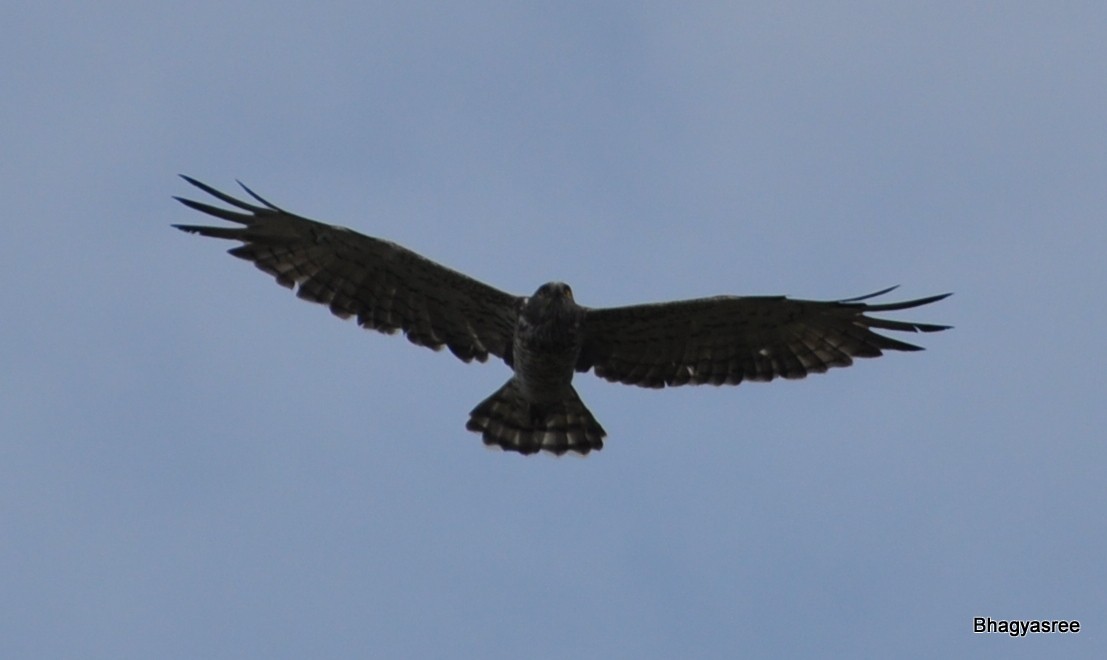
(387, 287)
(729, 339)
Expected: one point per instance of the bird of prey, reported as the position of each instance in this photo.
(547, 336)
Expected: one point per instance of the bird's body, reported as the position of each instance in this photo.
(547, 342)
(547, 337)
(538, 407)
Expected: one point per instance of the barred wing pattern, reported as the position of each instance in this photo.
(385, 286)
(729, 339)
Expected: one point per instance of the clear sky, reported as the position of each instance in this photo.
(194, 464)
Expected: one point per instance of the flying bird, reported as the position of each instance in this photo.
(546, 337)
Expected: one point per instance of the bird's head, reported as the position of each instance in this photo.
(551, 299)
(554, 291)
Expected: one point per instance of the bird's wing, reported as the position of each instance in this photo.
(385, 286)
(729, 339)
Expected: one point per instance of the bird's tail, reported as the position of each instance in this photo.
(507, 420)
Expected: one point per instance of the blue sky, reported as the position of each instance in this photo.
(195, 464)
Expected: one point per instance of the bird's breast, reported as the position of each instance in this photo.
(545, 358)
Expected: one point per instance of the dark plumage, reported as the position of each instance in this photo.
(547, 337)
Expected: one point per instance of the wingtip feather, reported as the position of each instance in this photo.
(258, 197)
(867, 296)
(232, 233)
